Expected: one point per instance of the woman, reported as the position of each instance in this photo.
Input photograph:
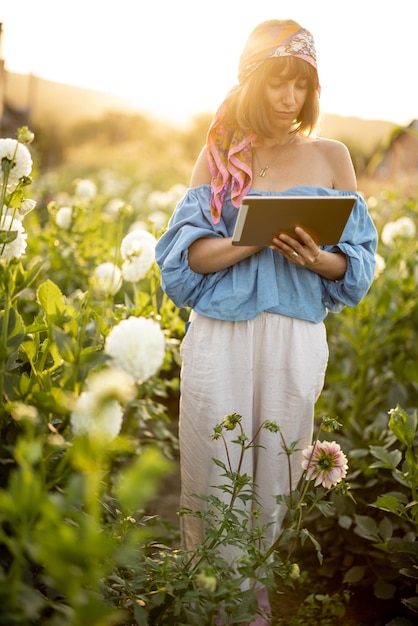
(256, 344)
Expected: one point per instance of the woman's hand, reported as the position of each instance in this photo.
(302, 251)
(305, 252)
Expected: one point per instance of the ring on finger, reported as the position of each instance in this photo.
(294, 254)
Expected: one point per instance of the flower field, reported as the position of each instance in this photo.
(89, 354)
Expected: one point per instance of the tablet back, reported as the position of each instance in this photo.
(260, 218)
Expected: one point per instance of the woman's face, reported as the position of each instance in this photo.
(285, 98)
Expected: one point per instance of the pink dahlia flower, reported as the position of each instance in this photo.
(325, 463)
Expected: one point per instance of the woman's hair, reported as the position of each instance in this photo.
(274, 49)
(247, 104)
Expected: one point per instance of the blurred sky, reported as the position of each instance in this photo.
(177, 58)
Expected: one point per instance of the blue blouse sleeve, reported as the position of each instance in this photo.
(358, 242)
(187, 224)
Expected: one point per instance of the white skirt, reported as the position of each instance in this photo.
(268, 368)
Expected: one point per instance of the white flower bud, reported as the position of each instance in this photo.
(107, 279)
(64, 217)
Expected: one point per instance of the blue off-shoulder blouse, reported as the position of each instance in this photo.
(266, 281)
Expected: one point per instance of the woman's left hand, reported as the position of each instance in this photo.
(303, 251)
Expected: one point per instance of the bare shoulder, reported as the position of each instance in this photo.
(201, 174)
(339, 160)
(331, 148)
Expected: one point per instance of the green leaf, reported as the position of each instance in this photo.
(30, 348)
(387, 459)
(15, 336)
(345, 521)
(403, 425)
(305, 534)
(387, 503)
(14, 200)
(325, 508)
(55, 401)
(412, 604)
(51, 299)
(139, 482)
(66, 347)
(411, 459)
(385, 528)
(409, 572)
(7, 236)
(141, 615)
(354, 574)
(366, 527)
(24, 277)
(405, 546)
(384, 590)
(219, 464)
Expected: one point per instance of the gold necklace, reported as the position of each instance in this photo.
(263, 170)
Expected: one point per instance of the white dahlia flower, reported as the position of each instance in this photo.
(136, 243)
(98, 411)
(158, 218)
(380, 265)
(133, 271)
(18, 159)
(107, 279)
(137, 346)
(93, 417)
(112, 383)
(403, 228)
(159, 200)
(406, 227)
(64, 217)
(114, 207)
(138, 251)
(17, 247)
(85, 188)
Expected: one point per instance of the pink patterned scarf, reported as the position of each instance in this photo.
(228, 148)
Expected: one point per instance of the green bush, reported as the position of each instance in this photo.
(373, 368)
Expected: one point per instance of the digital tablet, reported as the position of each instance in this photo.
(260, 218)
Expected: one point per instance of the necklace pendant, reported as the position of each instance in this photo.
(263, 171)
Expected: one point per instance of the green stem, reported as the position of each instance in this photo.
(153, 289)
(236, 490)
(136, 300)
(118, 239)
(289, 467)
(302, 493)
(4, 332)
(4, 344)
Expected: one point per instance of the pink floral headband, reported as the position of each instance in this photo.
(276, 41)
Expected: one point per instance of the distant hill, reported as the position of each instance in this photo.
(62, 103)
(65, 104)
(356, 132)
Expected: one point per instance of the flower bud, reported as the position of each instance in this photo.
(206, 581)
(24, 135)
(229, 422)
